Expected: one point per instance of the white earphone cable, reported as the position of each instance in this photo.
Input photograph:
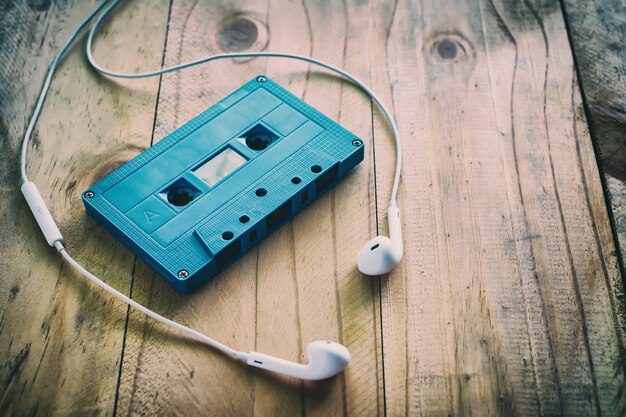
(183, 329)
(46, 86)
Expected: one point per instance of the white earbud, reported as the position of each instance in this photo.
(381, 254)
(326, 359)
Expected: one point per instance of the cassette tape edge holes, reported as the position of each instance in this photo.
(377, 257)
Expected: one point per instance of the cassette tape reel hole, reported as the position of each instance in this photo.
(259, 138)
(261, 192)
(181, 193)
(296, 180)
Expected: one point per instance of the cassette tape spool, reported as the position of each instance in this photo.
(200, 198)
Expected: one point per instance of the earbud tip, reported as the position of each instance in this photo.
(340, 353)
(377, 257)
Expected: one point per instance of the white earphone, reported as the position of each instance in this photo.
(381, 254)
(377, 257)
(326, 359)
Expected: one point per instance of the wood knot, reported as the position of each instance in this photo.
(449, 48)
(105, 169)
(241, 32)
(13, 292)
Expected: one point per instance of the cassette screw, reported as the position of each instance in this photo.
(261, 79)
(183, 273)
(357, 143)
(89, 194)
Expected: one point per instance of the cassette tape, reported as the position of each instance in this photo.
(200, 198)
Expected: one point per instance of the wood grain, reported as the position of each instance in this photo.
(508, 301)
(509, 265)
(60, 339)
(597, 30)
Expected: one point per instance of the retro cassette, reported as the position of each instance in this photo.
(200, 198)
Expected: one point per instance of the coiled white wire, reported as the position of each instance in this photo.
(92, 32)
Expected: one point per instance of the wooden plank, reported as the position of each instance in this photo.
(60, 339)
(507, 302)
(597, 30)
(301, 284)
(510, 277)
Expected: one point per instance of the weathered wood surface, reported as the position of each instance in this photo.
(505, 228)
(508, 301)
(597, 31)
(61, 340)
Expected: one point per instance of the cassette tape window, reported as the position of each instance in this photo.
(220, 166)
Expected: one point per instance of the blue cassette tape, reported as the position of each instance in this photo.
(196, 201)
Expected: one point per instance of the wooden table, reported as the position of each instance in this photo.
(509, 300)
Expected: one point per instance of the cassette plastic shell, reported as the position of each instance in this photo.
(190, 243)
